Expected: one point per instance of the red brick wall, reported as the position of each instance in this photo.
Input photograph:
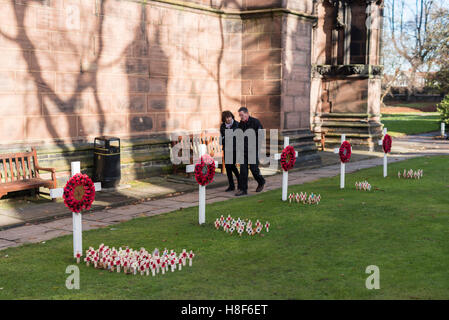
(296, 73)
(305, 6)
(347, 95)
(239, 4)
(261, 68)
(72, 70)
(323, 37)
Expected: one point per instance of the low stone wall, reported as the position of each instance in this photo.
(139, 158)
(414, 98)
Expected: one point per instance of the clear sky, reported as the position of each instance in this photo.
(410, 6)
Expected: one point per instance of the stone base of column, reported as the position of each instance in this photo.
(303, 142)
(362, 131)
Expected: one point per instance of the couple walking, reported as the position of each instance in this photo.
(246, 123)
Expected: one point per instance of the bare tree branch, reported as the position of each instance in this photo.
(421, 38)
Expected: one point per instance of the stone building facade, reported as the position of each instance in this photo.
(347, 71)
(71, 70)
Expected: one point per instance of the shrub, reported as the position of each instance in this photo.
(443, 109)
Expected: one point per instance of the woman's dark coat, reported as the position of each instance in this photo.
(234, 126)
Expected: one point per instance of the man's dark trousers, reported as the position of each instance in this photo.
(253, 124)
(232, 168)
(244, 175)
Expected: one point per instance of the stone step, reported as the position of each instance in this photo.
(331, 135)
(350, 124)
(294, 131)
(348, 115)
(304, 136)
(353, 131)
(301, 147)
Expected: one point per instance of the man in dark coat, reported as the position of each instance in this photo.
(228, 122)
(249, 123)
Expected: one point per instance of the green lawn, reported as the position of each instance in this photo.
(311, 252)
(411, 123)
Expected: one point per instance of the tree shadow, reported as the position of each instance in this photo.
(148, 71)
(52, 102)
(145, 112)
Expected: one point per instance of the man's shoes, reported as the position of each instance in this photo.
(260, 187)
(241, 193)
(230, 189)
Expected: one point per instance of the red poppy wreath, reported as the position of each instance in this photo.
(386, 143)
(345, 151)
(205, 170)
(79, 193)
(288, 158)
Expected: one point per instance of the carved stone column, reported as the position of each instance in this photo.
(347, 33)
(373, 24)
(338, 27)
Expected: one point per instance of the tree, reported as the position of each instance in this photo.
(419, 35)
(439, 80)
(443, 109)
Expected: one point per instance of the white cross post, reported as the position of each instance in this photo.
(58, 192)
(385, 154)
(202, 189)
(443, 125)
(277, 156)
(76, 217)
(342, 164)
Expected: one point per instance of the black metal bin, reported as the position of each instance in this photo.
(107, 161)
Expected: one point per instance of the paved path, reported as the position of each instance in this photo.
(404, 148)
(423, 143)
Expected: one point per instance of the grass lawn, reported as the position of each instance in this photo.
(311, 252)
(411, 123)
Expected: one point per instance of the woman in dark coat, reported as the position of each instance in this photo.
(228, 122)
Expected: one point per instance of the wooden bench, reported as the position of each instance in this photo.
(211, 140)
(20, 171)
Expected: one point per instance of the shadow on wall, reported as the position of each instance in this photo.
(53, 103)
(79, 98)
(146, 105)
(71, 118)
(147, 71)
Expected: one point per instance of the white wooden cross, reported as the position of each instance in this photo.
(75, 168)
(342, 164)
(277, 156)
(385, 154)
(201, 189)
(76, 217)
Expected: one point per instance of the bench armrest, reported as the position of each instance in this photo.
(52, 170)
(53, 174)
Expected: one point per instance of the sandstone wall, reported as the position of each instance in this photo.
(261, 68)
(71, 70)
(74, 70)
(296, 73)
